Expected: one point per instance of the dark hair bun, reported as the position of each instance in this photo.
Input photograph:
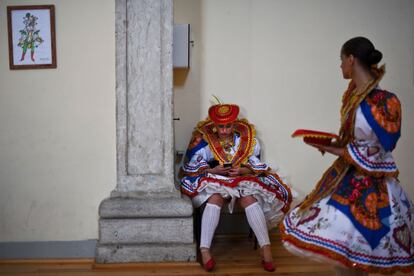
(363, 49)
(374, 57)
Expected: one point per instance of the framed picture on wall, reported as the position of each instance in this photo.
(32, 41)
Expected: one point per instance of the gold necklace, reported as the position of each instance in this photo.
(227, 144)
(355, 98)
(348, 112)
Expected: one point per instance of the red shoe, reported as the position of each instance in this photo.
(268, 266)
(209, 265)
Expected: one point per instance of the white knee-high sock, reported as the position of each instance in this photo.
(209, 222)
(257, 222)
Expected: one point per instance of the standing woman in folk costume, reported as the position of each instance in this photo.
(358, 217)
(222, 163)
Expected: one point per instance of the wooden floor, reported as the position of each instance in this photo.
(234, 256)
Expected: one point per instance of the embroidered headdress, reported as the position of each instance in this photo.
(223, 113)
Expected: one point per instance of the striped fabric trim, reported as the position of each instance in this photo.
(281, 192)
(330, 245)
(284, 190)
(258, 167)
(188, 188)
(191, 169)
(367, 164)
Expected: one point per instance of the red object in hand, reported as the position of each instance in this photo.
(315, 137)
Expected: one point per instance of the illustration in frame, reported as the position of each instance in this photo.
(32, 41)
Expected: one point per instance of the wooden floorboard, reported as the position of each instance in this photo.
(234, 256)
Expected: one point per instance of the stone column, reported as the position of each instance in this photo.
(144, 219)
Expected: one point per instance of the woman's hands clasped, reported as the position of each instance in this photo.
(229, 171)
(219, 170)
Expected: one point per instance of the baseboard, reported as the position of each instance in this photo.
(48, 250)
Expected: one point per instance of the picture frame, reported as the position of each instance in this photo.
(32, 39)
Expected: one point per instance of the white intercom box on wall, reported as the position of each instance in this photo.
(181, 46)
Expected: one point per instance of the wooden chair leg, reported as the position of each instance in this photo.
(197, 225)
(252, 235)
(198, 215)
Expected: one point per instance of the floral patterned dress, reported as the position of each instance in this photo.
(358, 215)
(205, 151)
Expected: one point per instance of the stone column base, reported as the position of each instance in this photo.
(131, 253)
(145, 230)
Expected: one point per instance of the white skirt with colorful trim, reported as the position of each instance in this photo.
(324, 233)
(271, 193)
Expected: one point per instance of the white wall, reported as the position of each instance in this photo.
(279, 60)
(187, 85)
(57, 142)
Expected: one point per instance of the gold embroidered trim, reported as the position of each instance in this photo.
(246, 145)
(326, 185)
(351, 99)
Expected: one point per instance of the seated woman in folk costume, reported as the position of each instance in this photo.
(358, 217)
(237, 175)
